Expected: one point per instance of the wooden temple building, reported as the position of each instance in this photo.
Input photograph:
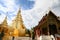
(49, 25)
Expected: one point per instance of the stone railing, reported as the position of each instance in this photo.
(22, 38)
(7, 38)
(16, 38)
(46, 37)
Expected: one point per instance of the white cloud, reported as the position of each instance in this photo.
(10, 7)
(3, 8)
(40, 9)
(2, 18)
(32, 16)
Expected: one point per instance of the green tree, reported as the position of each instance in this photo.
(32, 33)
(28, 32)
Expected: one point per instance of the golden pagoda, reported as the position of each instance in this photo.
(4, 28)
(19, 28)
(4, 23)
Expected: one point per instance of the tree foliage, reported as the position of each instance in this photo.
(32, 33)
(28, 32)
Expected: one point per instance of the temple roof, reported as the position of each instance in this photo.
(46, 16)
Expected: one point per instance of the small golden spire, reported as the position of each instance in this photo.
(4, 23)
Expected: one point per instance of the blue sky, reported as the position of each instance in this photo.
(25, 4)
(32, 10)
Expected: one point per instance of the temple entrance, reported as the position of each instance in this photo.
(52, 29)
(44, 30)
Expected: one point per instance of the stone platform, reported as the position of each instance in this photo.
(17, 38)
(46, 37)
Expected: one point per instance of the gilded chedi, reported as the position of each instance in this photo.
(17, 29)
(17, 24)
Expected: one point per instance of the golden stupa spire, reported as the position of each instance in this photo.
(4, 23)
(18, 25)
(19, 17)
(18, 20)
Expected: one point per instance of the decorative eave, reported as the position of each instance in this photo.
(44, 19)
